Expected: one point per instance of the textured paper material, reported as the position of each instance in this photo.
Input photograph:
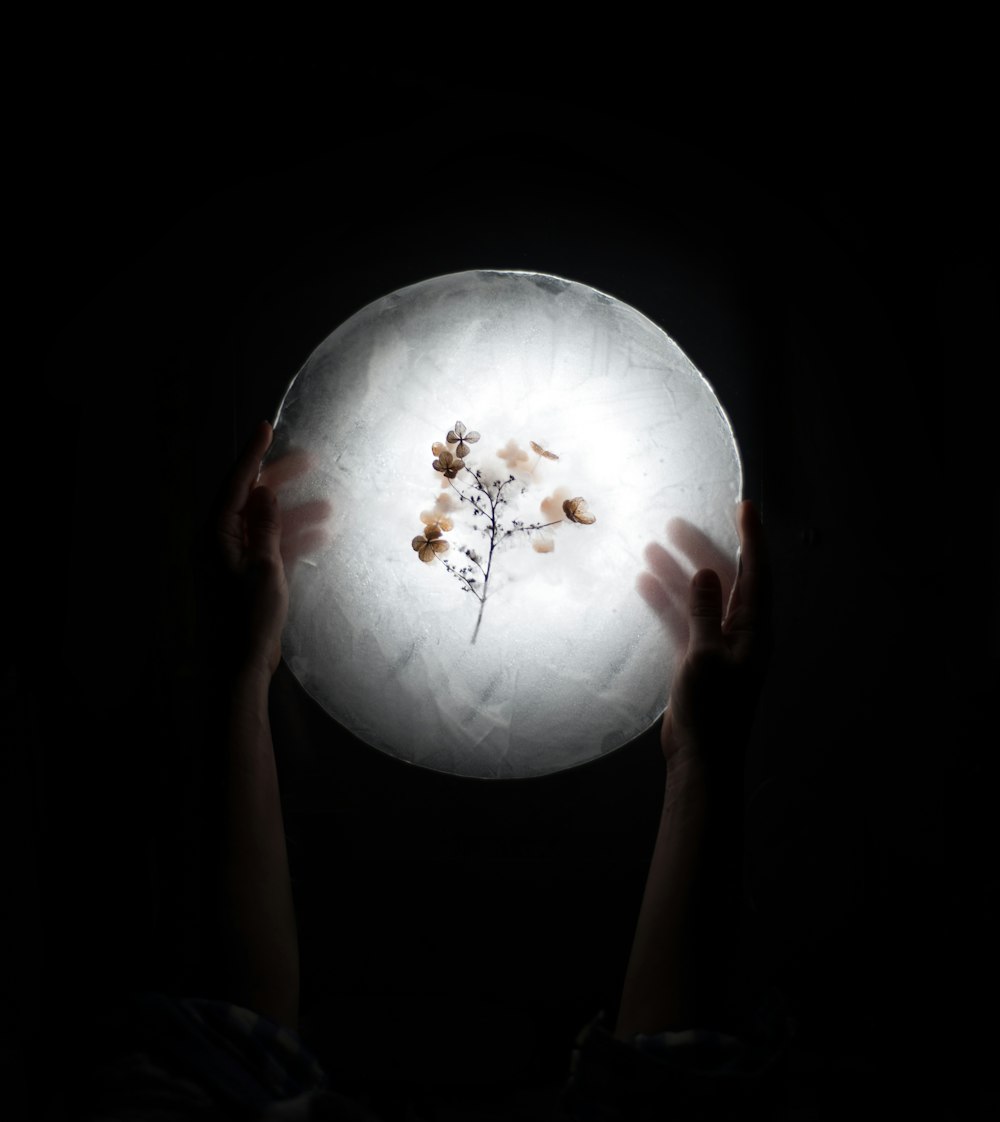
(570, 661)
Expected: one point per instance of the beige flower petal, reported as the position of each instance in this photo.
(542, 451)
(435, 520)
(430, 549)
(512, 455)
(446, 462)
(576, 511)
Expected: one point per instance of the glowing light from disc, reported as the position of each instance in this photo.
(608, 430)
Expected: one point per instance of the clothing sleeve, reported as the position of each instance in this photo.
(693, 1074)
(182, 1058)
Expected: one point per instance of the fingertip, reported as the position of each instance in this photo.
(263, 497)
(256, 448)
(265, 435)
(706, 580)
(262, 512)
(705, 608)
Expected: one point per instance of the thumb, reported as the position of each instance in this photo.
(705, 610)
(263, 521)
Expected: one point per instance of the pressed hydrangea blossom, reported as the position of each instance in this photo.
(576, 511)
(429, 545)
(513, 455)
(487, 499)
(435, 520)
(449, 464)
(461, 436)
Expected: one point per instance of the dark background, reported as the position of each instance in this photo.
(190, 229)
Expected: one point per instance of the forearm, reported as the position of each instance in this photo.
(658, 990)
(688, 911)
(256, 913)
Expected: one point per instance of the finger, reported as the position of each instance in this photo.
(751, 591)
(303, 530)
(263, 520)
(281, 470)
(664, 588)
(305, 516)
(246, 469)
(705, 610)
(702, 552)
(302, 544)
(235, 492)
(667, 570)
(666, 606)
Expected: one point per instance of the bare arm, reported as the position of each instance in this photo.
(257, 924)
(659, 991)
(258, 941)
(690, 897)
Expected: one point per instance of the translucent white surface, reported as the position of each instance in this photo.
(569, 662)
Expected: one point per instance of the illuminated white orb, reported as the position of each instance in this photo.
(568, 661)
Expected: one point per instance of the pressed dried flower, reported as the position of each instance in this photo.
(542, 451)
(461, 436)
(513, 454)
(576, 511)
(449, 464)
(484, 492)
(435, 520)
(429, 546)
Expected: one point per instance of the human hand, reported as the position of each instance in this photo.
(717, 683)
(248, 532)
(257, 544)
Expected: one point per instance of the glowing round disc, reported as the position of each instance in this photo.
(569, 660)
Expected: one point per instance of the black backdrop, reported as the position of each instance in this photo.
(193, 229)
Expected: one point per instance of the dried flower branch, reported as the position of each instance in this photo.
(487, 499)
